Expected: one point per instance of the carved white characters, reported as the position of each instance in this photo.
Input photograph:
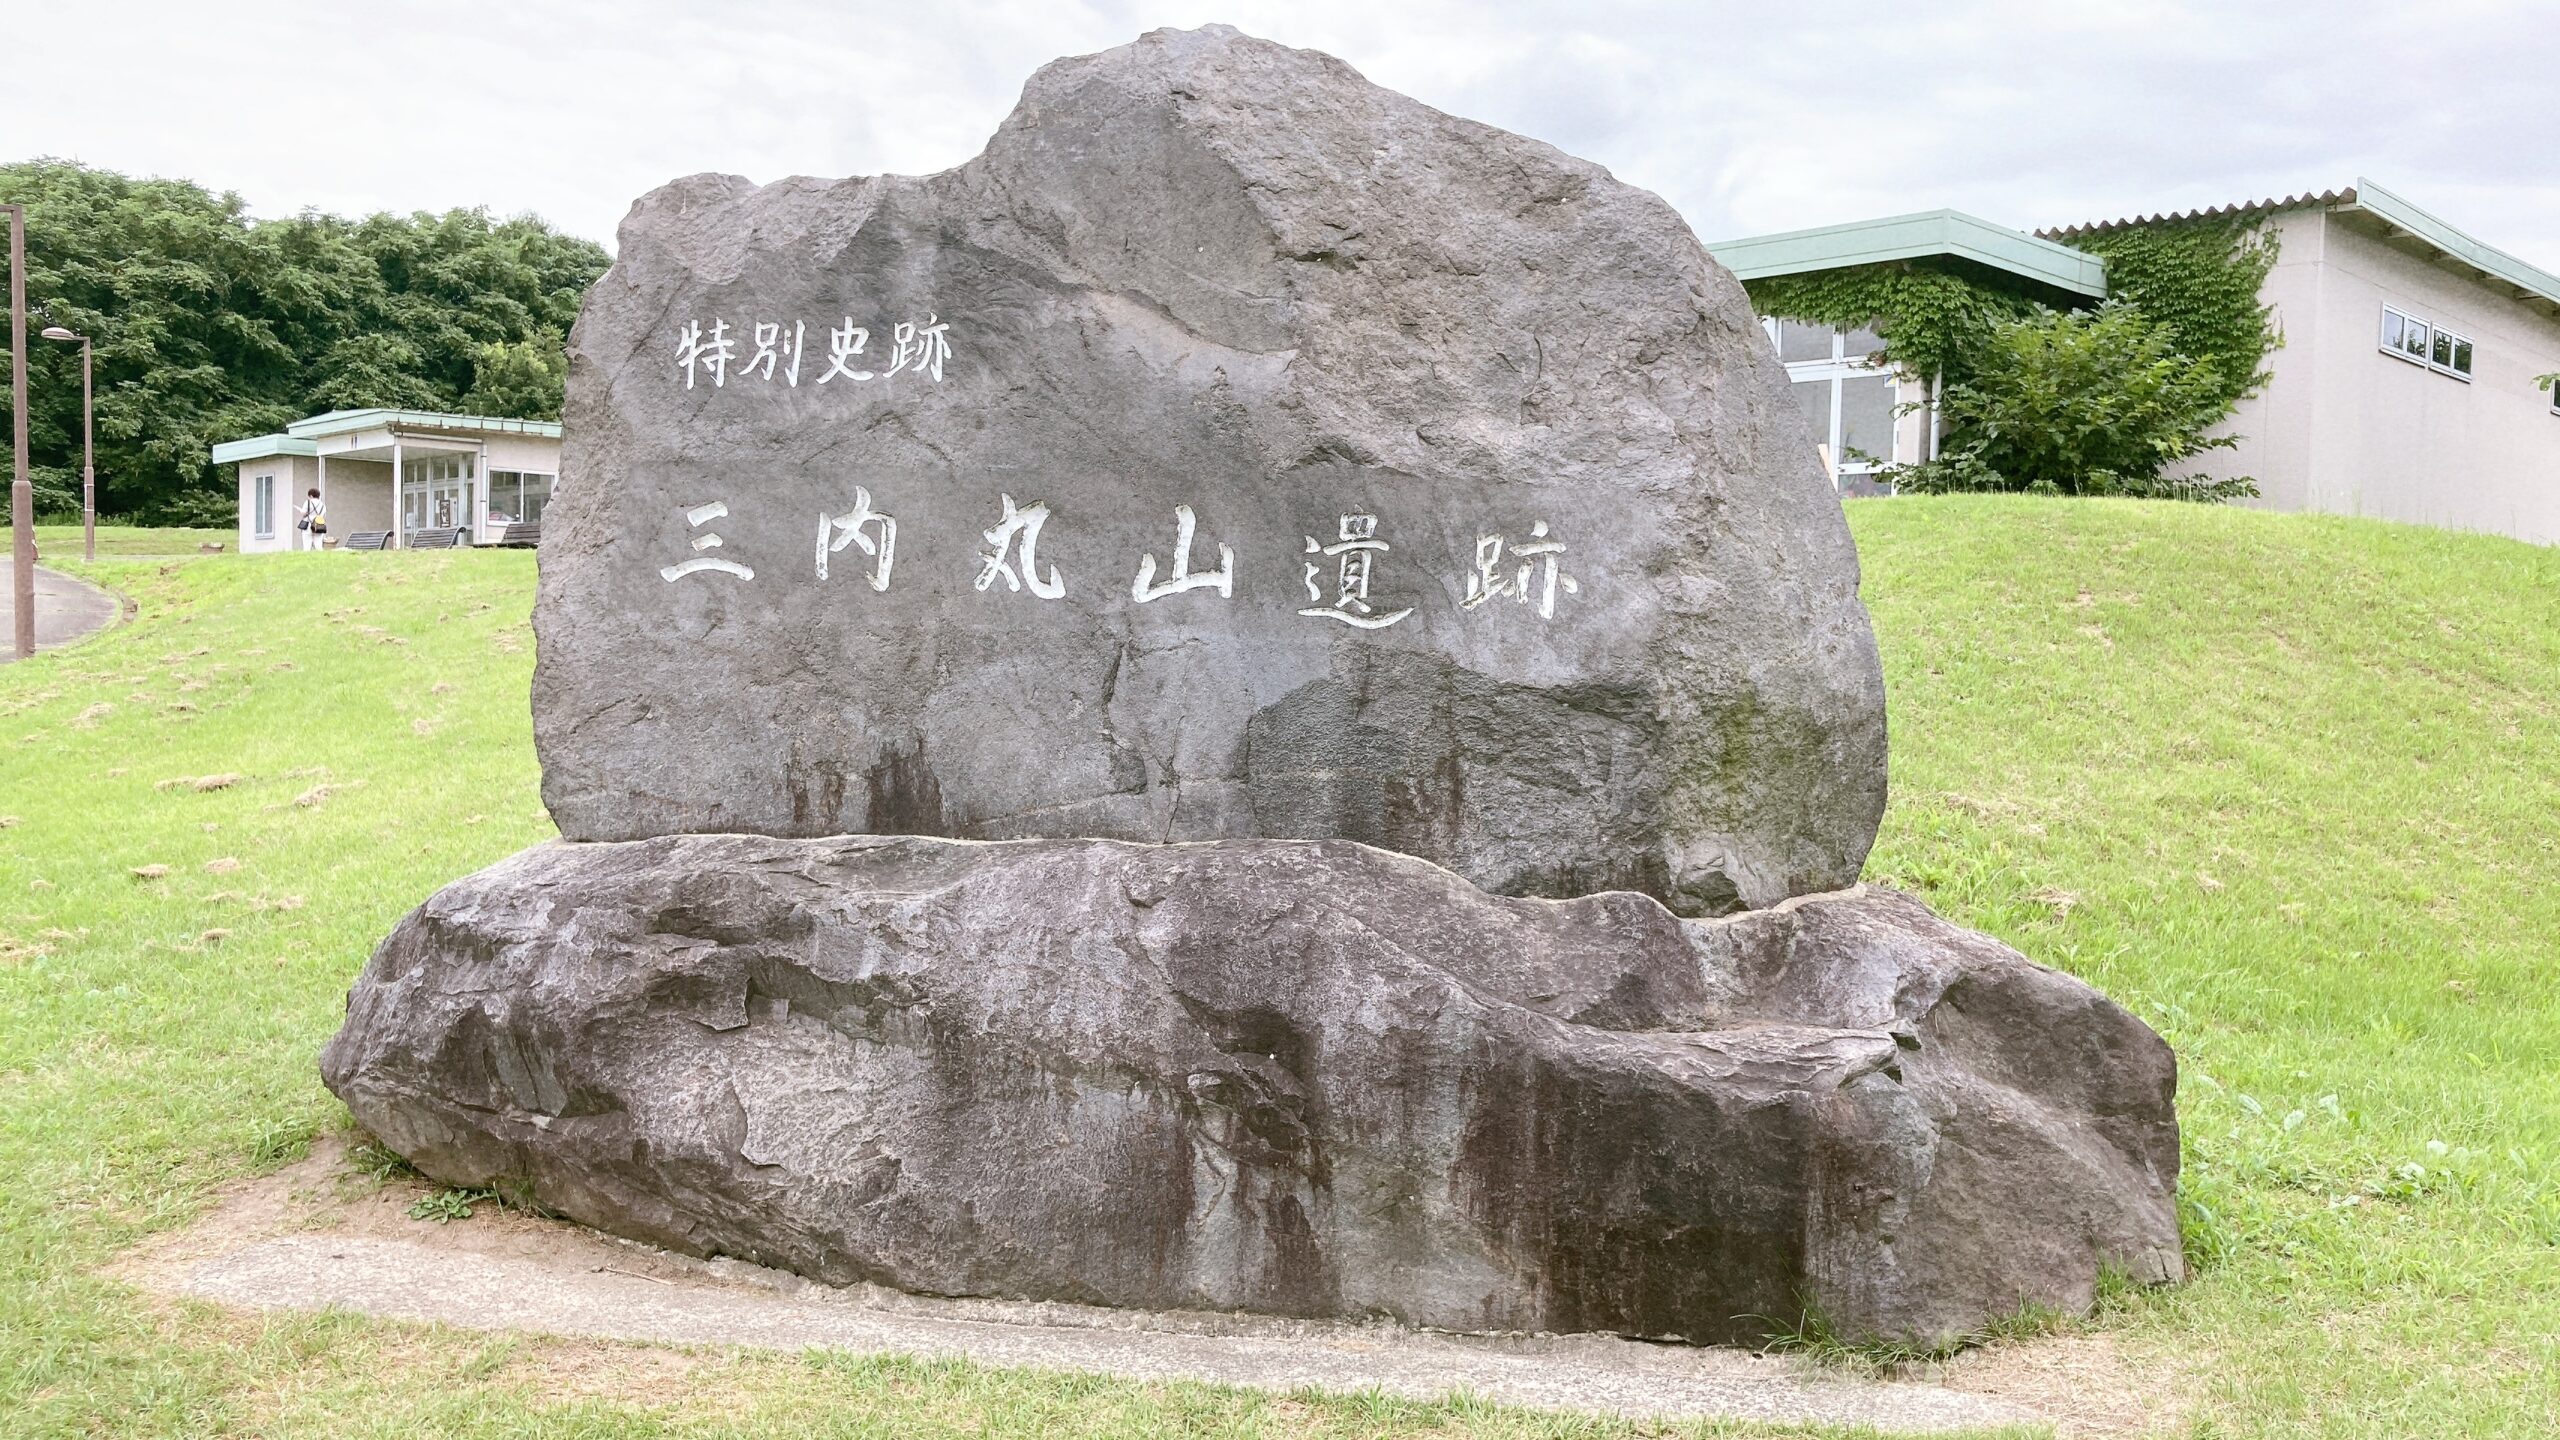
(697, 351)
(920, 348)
(1354, 552)
(1145, 588)
(697, 517)
(844, 344)
(1023, 524)
(1538, 551)
(1529, 571)
(876, 533)
(772, 346)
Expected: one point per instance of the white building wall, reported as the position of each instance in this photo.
(537, 453)
(293, 474)
(2348, 429)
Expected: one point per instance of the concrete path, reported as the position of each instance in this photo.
(66, 609)
(632, 1297)
(309, 1237)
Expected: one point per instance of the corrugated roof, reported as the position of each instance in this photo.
(2303, 201)
(2400, 219)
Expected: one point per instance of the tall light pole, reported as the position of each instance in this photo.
(22, 493)
(88, 447)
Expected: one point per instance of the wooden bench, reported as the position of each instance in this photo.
(435, 539)
(522, 536)
(367, 540)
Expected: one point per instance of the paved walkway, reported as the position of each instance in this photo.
(302, 1239)
(66, 609)
(634, 1294)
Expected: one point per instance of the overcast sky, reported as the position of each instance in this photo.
(1750, 118)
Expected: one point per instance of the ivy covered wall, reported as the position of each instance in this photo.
(2198, 278)
(1932, 316)
(2061, 401)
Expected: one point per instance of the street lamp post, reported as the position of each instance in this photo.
(88, 447)
(22, 493)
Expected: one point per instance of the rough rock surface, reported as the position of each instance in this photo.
(1210, 276)
(1305, 1078)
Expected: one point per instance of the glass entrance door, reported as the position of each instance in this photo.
(435, 493)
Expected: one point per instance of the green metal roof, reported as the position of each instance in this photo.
(1933, 233)
(260, 447)
(302, 436)
(2531, 281)
(340, 422)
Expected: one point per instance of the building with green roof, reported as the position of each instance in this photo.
(2404, 386)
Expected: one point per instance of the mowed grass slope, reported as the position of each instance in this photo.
(2282, 785)
(2288, 787)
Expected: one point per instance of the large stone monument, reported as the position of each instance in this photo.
(1234, 462)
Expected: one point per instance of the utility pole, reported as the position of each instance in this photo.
(22, 494)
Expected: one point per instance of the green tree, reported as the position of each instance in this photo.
(2094, 403)
(211, 326)
(523, 378)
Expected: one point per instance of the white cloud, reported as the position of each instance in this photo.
(1748, 118)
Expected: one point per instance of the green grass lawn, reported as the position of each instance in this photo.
(2285, 786)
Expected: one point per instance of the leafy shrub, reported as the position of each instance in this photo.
(2100, 403)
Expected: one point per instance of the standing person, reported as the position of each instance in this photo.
(311, 520)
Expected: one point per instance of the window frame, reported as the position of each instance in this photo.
(2453, 343)
(262, 506)
(2383, 342)
(1838, 368)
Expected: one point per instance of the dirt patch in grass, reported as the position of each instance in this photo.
(2083, 1384)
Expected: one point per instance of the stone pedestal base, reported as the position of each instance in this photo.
(1302, 1078)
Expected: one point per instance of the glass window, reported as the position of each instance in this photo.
(2417, 339)
(1862, 344)
(1815, 396)
(2393, 324)
(1799, 341)
(434, 467)
(518, 497)
(2452, 354)
(1866, 421)
(264, 508)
